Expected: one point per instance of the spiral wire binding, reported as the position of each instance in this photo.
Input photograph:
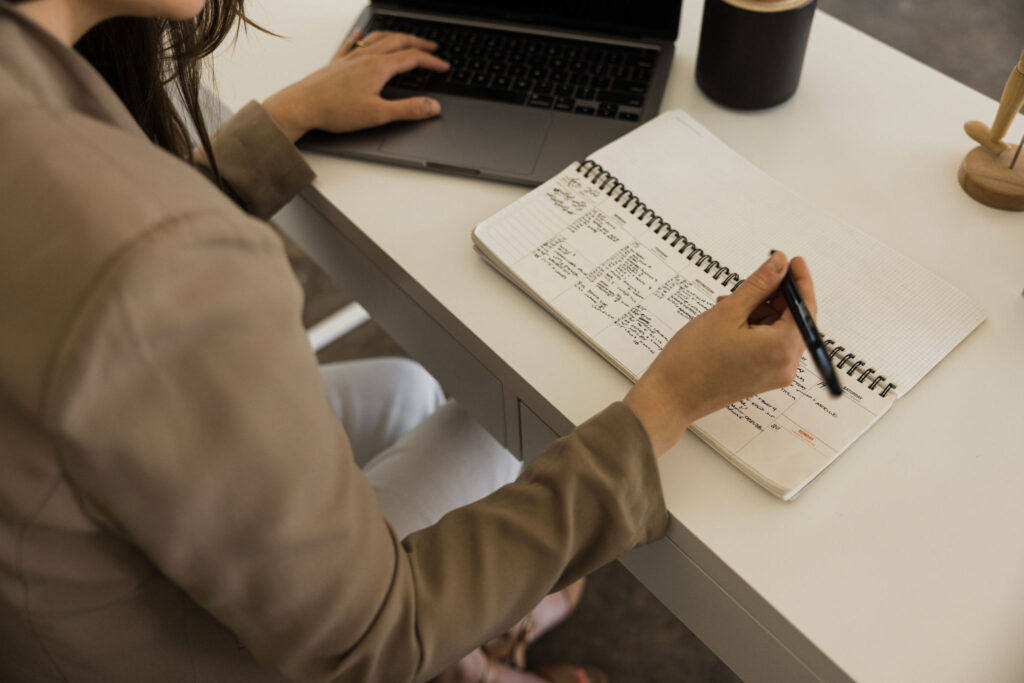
(613, 187)
(848, 357)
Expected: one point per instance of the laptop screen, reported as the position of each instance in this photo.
(640, 18)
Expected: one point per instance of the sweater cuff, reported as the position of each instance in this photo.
(258, 161)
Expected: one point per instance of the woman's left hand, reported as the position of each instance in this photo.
(344, 95)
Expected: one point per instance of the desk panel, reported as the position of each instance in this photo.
(752, 652)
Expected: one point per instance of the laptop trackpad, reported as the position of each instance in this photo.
(474, 135)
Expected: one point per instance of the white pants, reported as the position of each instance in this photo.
(422, 455)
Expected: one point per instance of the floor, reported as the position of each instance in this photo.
(619, 625)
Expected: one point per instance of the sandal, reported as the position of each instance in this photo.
(490, 670)
(510, 647)
(563, 673)
(553, 673)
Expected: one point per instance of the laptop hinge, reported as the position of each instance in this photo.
(505, 20)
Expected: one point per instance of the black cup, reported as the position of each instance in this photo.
(749, 59)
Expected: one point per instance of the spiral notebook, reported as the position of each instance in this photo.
(627, 246)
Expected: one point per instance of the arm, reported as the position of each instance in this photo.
(344, 95)
(255, 149)
(194, 424)
(747, 344)
(257, 161)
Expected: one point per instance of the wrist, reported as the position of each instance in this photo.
(663, 421)
(292, 118)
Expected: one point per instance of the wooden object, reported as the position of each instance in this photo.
(1009, 104)
(986, 173)
(988, 178)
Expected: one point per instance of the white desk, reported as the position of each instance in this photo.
(905, 560)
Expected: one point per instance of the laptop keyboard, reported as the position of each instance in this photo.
(582, 77)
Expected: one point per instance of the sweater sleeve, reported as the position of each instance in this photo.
(193, 423)
(258, 162)
(589, 498)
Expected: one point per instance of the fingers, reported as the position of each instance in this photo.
(407, 60)
(349, 43)
(765, 314)
(409, 109)
(757, 288)
(802, 277)
(381, 42)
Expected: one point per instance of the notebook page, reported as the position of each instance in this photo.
(603, 272)
(884, 308)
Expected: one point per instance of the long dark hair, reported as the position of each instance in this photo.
(140, 57)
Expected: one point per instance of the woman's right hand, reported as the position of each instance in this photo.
(746, 344)
(345, 95)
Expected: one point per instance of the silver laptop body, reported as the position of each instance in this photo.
(500, 122)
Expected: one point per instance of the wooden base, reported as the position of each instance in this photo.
(988, 178)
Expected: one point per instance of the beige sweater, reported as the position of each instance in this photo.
(177, 500)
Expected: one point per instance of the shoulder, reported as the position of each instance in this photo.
(91, 213)
(82, 191)
(65, 161)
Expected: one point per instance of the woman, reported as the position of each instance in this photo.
(180, 501)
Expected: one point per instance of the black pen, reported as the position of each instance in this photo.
(809, 331)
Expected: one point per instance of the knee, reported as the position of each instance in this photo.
(416, 381)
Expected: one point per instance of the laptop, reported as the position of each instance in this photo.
(534, 84)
